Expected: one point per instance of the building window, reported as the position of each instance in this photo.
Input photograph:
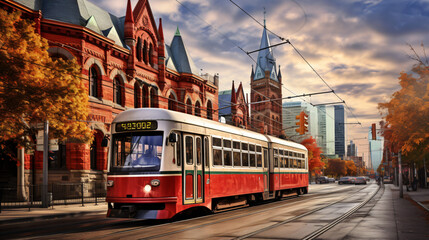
(153, 98)
(145, 51)
(139, 49)
(137, 97)
(96, 151)
(209, 110)
(197, 109)
(117, 91)
(93, 82)
(150, 55)
(145, 97)
(189, 106)
(172, 103)
(57, 159)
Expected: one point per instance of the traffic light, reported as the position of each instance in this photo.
(373, 132)
(302, 123)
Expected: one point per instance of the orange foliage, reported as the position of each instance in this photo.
(336, 167)
(407, 113)
(35, 88)
(314, 160)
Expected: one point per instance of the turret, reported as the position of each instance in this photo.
(129, 27)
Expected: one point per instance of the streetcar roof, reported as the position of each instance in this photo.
(169, 115)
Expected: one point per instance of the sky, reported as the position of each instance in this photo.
(359, 47)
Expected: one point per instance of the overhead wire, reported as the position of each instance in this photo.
(296, 50)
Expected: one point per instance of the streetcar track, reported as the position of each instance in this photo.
(305, 197)
(324, 228)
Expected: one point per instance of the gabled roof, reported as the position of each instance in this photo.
(82, 13)
(180, 55)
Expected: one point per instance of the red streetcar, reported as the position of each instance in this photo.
(164, 162)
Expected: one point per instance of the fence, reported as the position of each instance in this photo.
(58, 194)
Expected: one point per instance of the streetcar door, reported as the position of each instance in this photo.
(266, 170)
(193, 174)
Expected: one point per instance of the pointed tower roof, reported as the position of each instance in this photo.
(129, 15)
(233, 96)
(180, 55)
(279, 75)
(252, 74)
(266, 60)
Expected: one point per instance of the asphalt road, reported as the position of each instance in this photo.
(291, 218)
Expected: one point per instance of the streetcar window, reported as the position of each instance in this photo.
(298, 163)
(206, 151)
(290, 154)
(227, 143)
(276, 161)
(259, 160)
(236, 157)
(281, 152)
(245, 158)
(259, 149)
(227, 157)
(136, 152)
(286, 153)
(252, 147)
(217, 157)
(199, 146)
(217, 142)
(236, 145)
(287, 163)
(276, 151)
(252, 160)
(189, 154)
(244, 146)
(178, 151)
(295, 165)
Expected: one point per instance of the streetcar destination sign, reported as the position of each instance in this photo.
(136, 126)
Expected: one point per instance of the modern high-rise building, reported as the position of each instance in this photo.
(351, 149)
(326, 133)
(340, 131)
(375, 149)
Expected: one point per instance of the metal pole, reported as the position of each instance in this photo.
(45, 164)
(426, 176)
(401, 190)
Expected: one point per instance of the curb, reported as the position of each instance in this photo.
(49, 216)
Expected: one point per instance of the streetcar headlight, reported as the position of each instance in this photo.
(147, 188)
(110, 183)
(155, 182)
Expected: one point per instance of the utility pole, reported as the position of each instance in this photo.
(44, 194)
(401, 190)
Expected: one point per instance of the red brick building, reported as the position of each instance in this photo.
(125, 64)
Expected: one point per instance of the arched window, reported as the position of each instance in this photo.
(150, 55)
(93, 82)
(189, 106)
(138, 49)
(145, 97)
(96, 152)
(153, 98)
(137, 97)
(209, 110)
(172, 103)
(197, 109)
(145, 51)
(117, 91)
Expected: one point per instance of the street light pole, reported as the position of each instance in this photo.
(45, 164)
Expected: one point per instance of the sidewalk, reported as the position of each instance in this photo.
(13, 215)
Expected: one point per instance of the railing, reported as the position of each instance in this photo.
(58, 194)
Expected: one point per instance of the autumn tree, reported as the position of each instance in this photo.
(407, 113)
(315, 164)
(351, 169)
(35, 88)
(336, 167)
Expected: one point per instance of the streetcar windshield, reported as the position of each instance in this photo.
(136, 152)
